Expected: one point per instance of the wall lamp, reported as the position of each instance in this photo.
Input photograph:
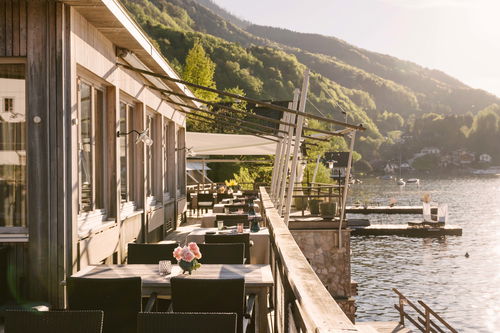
(189, 151)
(141, 136)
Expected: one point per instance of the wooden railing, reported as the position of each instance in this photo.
(300, 301)
(426, 319)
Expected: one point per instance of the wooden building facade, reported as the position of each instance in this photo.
(73, 191)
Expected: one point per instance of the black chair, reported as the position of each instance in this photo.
(190, 294)
(235, 207)
(232, 238)
(222, 253)
(119, 298)
(186, 322)
(230, 220)
(222, 196)
(205, 201)
(150, 253)
(19, 321)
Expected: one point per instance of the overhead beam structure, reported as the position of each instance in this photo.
(290, 129)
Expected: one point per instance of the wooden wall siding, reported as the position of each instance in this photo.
(98, 247)
(94, 52)
(155, 219)
(46, 165)
(13, 27)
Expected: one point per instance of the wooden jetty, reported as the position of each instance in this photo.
(381, 327)
(387, 210)
(406, 230)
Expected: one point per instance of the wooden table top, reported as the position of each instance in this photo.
(255, 275)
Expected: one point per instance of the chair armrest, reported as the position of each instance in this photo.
(249, 306)
(151, 302)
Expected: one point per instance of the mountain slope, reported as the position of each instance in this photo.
(384, 93)
(431, 86)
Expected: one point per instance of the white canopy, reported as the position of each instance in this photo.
(228, 144)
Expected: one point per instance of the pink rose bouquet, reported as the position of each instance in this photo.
(188, 256)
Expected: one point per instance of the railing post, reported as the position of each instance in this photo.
(427, 321)
(401, 311)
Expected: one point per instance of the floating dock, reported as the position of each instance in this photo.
(387, 210)
(406, 231)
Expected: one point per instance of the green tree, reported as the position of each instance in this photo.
(200, 69)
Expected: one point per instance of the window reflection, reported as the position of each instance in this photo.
(12, 146)
(86, 196)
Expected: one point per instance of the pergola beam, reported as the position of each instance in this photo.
(244, 98)
(258, 116)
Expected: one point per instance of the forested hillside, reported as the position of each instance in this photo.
(390, 97)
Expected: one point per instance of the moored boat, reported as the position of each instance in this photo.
(415, 181)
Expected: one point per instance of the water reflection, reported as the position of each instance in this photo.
(466, 291)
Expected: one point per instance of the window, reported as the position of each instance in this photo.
(150, 174)
(127, 152)
(181, 161)
(8, 104)
(165, 158)
(13, 187)
(91, 143)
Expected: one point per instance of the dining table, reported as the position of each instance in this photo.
(258, 280)
(259, 252)
(208, 219)
(220, 207)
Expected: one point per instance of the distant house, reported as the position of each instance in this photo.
(485, 158)
(430, 150)
(390, 168)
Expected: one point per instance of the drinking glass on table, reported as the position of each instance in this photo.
(239, 228)
(165, 267)
(220, 225)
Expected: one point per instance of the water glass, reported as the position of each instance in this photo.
(165, 267)
(239, 228)
(220, 225)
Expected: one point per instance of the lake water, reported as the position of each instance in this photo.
(464, 291)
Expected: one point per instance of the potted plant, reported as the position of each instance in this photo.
(187, 257)
(232, 184)
(328, 209)
(314, 206)
(300, 203)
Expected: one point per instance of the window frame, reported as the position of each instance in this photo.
(18, 233)
(131, 151)
(99, 201)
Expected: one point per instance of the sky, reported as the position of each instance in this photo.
(459, 37)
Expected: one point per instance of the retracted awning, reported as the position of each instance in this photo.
(228, 144)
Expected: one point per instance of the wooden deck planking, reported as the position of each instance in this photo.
(405, 230)
(388, 210)
(382, 327)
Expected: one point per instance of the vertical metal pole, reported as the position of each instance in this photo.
(346, 184)
(284, 153)
(298, 134)
(277, 161)
(286, 157)
(203, 171)
(316, 170)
